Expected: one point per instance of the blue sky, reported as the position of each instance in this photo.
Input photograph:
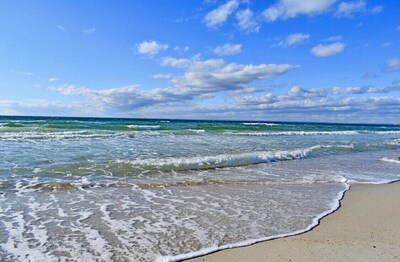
(309, 60)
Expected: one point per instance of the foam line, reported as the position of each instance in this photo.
(204, 251)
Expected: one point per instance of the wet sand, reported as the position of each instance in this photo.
(365, 228)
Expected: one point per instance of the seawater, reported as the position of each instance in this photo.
(98, 189)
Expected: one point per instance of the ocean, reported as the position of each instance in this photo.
(102, 189)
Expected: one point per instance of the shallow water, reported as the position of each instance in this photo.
(139, 190)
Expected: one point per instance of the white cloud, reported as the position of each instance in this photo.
(175, 62)
(181, 49)
(347, 9)
(151, 47)
(246, 21)
(26, 73)
(61, 28)
(42, 107)
(285, 9)
(335, 38)
(362, 90)
(219, 15)
(392, 65)
(52, 79)
(317, 104)
(89, 30)
(228, 49)
(323, 104)
(294, 39)
(328, 50)
(214, 75)
(200, 80)
(161, 76)
(377, 9)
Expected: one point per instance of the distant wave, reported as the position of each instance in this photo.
(12, 136)
(260, 124)
(144, 127)
(391, 160)
(310, 133)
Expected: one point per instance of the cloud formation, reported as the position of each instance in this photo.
(337, 104)
(392, 65)
(328, 50)
(293, 39)
(348, 9)
(89, 30)
(150, 47)
(228, 49)
(285, 9)
(200, 80)
(246, 21)
(219, 15)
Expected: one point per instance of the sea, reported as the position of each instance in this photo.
(108, 189)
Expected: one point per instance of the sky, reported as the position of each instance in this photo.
(272, 60)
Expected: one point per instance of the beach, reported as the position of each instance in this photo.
(365, 228)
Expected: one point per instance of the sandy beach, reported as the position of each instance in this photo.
(365, 228)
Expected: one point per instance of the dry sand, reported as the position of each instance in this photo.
(365, 228)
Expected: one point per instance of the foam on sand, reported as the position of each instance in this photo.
(334, 206)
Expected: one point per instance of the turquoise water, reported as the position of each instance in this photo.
(139, 190)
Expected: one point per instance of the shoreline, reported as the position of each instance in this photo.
(363, 227)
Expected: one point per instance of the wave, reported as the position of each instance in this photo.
(226, 160)
(311, 133)
(144, 127)
(15, 136)
(391, 160)
(83, 184)
(260, 124)
(11, 124)
(150, 130)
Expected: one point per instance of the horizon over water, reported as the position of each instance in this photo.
(197, 119)
(123, 189)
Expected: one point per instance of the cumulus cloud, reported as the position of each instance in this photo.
(150, 47)
(228, 49)
(392, 65)
(219, 15)
(285, 9)
(175, 62)
(52, 79)
(215, 75)
(348, 9)
(200, 80)
(362, 90)
(323, 104)
(315, 104)
(246, 21)
(293, 39)
(328, 50)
